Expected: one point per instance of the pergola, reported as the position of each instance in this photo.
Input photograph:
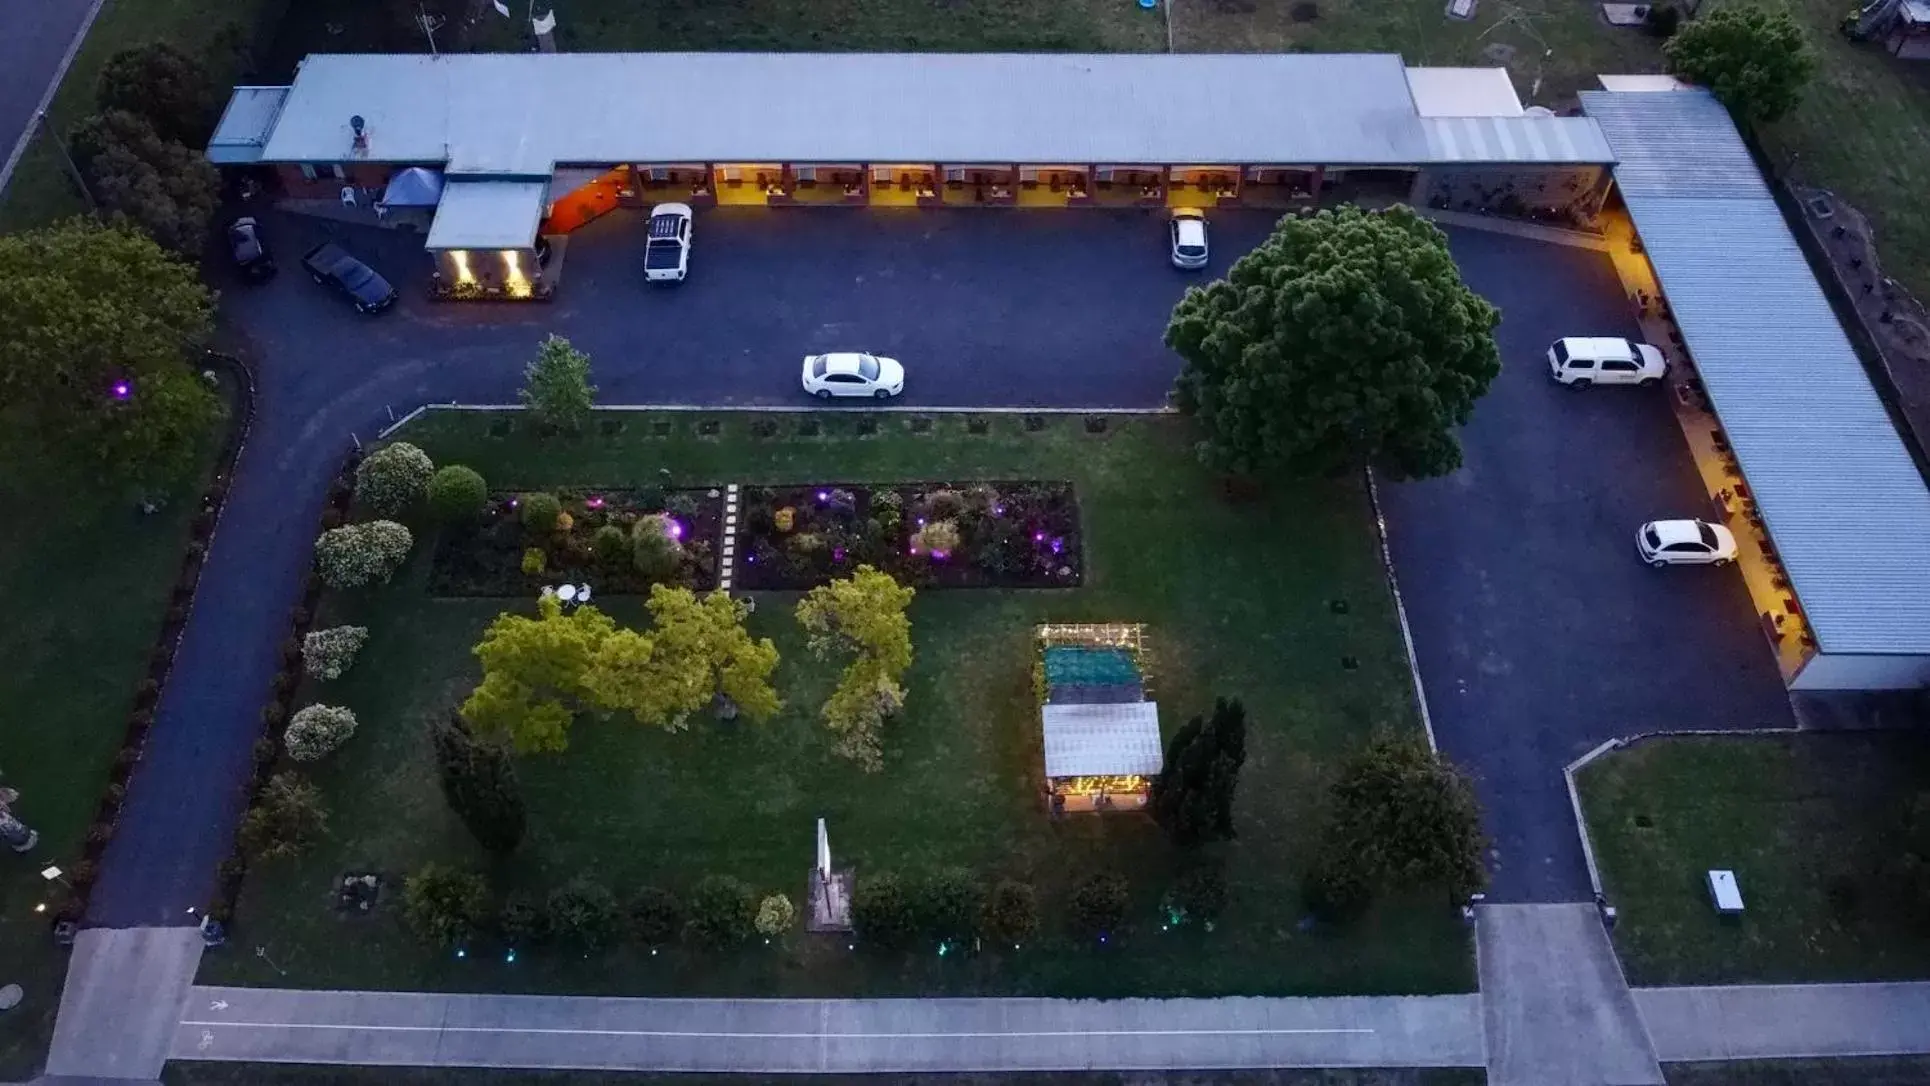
(1100, 733)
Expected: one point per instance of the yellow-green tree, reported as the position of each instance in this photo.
(534, 674)
(861, 617)
(696, 655)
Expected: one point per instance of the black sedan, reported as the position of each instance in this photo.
(249, 251)
(330, 265)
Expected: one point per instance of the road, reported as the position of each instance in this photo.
(35, 37)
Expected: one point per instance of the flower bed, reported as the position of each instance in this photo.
(931, 535)
(490, 558)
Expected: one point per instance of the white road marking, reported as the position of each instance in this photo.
(810, 1036)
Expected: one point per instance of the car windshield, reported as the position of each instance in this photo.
(819, 367)
(355, 275)
(1708, 535)
(1654, 541)
(1192, 250)
(867, 367)
(1561, 351)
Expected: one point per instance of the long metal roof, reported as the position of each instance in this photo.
(246, 124)
(1839, 492)
(1120, 739)
(487, 214)
(525, 114)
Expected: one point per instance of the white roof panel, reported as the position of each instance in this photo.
(1463, 92)
(1120, 739)
(1515, 140)
(488, 214)
(245, 124)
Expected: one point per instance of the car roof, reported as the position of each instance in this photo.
(842, 362)
(1600, 347)
(664, 225)
(1677, 531)
(1191, 231)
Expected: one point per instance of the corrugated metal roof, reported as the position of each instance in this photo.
(245, 124)
(488, 214)
(1101, 740)
(1463, 92)
(527, 113)
(1515, 140)
(1839, 492)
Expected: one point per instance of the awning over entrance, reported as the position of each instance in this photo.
(488, 215)
(414, 187)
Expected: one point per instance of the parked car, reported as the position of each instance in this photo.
(249, 251)
(852, 373)
(1685, 543)
(1188, 229)
(666, 254)
(331, 265)
(1580, 361)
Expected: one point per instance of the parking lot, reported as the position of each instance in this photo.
(1539, 632)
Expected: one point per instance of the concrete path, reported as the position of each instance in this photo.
(1556, 1010)
(844, 1036)
(1772, 1021)
(124, 995)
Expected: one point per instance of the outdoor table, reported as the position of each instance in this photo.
(566, 593)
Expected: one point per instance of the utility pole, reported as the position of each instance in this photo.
(41, 122)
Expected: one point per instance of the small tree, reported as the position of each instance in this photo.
(457, 495)
(286, 820)
(1755, 59)
(1099, 905)
(327, 654)
(656, 916)
(166, 189)
(1398, 815)
(1200, 894)
(522, 921)
(775, 915)
(1011, 912)
(541, 512)
(557, 388)
(164, 85)
(1347, 337)
(443, 906)
(392, 480)
(611, 545)
(317, 731)
(697, 654)
(721, 911)
(479, 782)
(882, 911)
(358, 554)
(534, 674)
(583, 915)
(862, 618)
(1192, 798)
(655, 550)
(949, 903)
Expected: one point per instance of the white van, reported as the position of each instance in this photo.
(1579, 362)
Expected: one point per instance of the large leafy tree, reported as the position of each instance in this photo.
(861, 618)
(534, 672)
(557, 388)
(99, 324)
(1400, 816)
(1346, 337)
(158, 81)
(1192, 798)
(696, 655)
(479, 781)
(163, 187)
(1755, 59)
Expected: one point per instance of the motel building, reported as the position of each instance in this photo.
(498, 150)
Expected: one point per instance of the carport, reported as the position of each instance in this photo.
(1825, 494)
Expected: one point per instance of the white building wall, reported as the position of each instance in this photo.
(1836, 671)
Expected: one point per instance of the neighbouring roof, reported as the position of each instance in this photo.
(245, 125)
(1643, 83)
(1463, 92)
(1101, 740)
(525, 114)
(488, 214)
(1515, 140)
(1839, 492)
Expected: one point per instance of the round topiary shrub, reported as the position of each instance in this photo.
(721, 911)
(1099, 905)
(457, 495)
(938, 539)
(656, 916)
(359, 554)
(392, 480)
(317, 731)
(881, 910)
(775, 915)
(949, 902)
(326, 654)
(583, 915)
(655, 548)
(611, 546)
(540, 512)
(1011, 912)
(535, 561)
(443, 906)
(522, 922)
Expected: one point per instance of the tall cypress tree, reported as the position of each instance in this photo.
(479, 781)
(1192, 798)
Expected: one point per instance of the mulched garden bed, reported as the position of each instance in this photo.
(486, 559)
(930, 535)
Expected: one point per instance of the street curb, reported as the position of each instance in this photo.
(1400, 609)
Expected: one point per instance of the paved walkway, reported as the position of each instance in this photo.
(1772, 1021)
(1555, 1008)
(123, 997)
(842, 1036)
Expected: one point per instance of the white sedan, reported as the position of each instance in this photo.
(1685, 543)
(852, 373)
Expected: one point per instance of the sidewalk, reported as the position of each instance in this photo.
(122, 999)
(1555, 1007)
(1770, 1021)
(755, 1036)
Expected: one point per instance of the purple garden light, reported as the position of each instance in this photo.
(122, 389)
(675, 528)
(595, 503)
(823, 496)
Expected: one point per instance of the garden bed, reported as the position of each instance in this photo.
(487, 558)
(999, 534)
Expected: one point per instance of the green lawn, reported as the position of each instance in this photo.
(85, 580)
(268, 1074)
(1237, 599)
(1802, 820)
(1868, 1071)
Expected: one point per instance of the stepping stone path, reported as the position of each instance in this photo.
(727, 558)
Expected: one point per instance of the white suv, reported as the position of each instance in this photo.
(666, 253)
(1579, 362)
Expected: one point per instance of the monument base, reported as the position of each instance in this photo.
(33, 838)
(830, 901)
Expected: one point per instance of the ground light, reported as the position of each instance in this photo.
(464, 275)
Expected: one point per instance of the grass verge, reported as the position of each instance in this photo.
(1867, 1071)
(1237, 599)
(1807, 822)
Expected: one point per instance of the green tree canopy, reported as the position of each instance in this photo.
(1192, 798)
(99, 325)
(479, 782)
(1401, 816)
(169, 88)
(533, 674)
(165, 188)
(1755, 59)
(1346, 337)
(863, 618)
(557, 388)
(696, 655)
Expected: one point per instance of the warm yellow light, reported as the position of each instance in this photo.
(461, 258)
(1093, 786)
(513, 281)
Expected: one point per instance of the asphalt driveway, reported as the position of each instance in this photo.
(1539, 632)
